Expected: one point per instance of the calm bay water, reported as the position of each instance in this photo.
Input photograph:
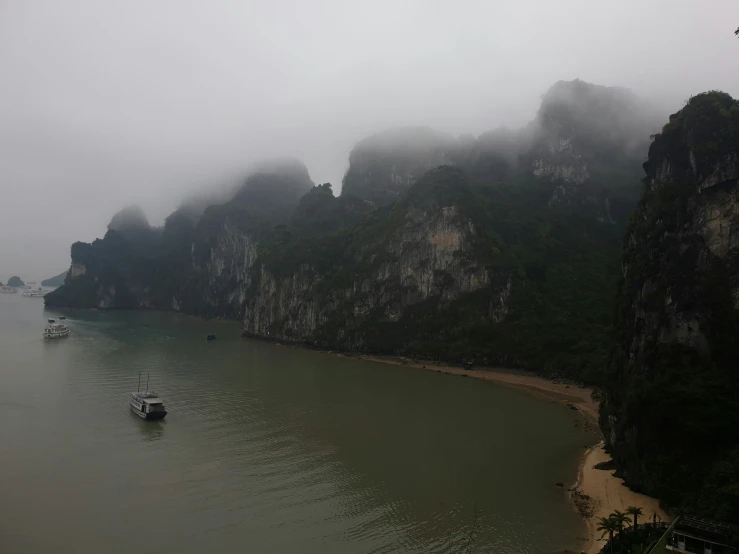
(265, 448)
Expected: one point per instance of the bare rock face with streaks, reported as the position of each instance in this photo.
(426, 254)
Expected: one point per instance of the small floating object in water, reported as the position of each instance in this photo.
(211, 337)
(62, 318)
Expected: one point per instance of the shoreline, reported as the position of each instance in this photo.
(576, 397)
(596, 492)
(603, 493)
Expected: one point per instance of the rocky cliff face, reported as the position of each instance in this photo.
(480, 261)
(220, 273)
(384, 166)
(426, 254)
(198, 263)
(672, 409)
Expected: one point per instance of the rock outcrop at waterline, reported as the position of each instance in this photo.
(671, 411)
(489, 248)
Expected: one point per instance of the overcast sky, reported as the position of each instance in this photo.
(105, 103)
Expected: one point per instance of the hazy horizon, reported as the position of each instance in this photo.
(108, 104)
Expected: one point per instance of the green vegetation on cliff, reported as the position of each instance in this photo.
(556, 267)
(672, 401)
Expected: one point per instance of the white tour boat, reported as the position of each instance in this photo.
(55, 330)
(9, 290)
(147, 405)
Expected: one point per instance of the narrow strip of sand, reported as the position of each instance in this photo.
(578, 397)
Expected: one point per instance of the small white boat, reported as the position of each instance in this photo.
(55, 330)
(147, 405)
(35, 293)
(8, 290)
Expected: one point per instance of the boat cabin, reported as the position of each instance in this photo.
(147, 405)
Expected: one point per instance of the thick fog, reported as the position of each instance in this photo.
(108, 103)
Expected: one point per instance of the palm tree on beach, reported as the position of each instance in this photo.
(635, 513)
(620, 518)
(608, 525)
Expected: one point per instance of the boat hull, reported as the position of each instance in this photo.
(151, 416)
(56, 335)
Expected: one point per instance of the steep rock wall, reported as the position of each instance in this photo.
(429, 256)
(420, 258)
(672, 407)
(221, 273)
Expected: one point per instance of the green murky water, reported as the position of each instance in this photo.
(265, 448)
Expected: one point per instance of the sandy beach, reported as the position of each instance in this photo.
(608, 493)
(596, 492)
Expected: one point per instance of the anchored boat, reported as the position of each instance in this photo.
(35, 293)
(147, 405)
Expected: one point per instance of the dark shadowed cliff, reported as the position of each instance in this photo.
(672, 407)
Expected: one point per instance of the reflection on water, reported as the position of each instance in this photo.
(150, 430)
(265, 448)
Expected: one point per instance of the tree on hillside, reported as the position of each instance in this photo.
(635, 512)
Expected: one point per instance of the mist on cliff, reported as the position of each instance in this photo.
(108, 104)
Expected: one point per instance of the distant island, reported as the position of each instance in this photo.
(56, 281)
(15, 281)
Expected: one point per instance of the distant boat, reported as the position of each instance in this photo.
(62, 318)
(55, 330)
(211, 337)
(8, 290)
(35, 293)
(147, 405)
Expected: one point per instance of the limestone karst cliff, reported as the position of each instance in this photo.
(671, 411)
(498, 248)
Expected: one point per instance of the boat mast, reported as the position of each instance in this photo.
(138, 388)
(147, 381)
